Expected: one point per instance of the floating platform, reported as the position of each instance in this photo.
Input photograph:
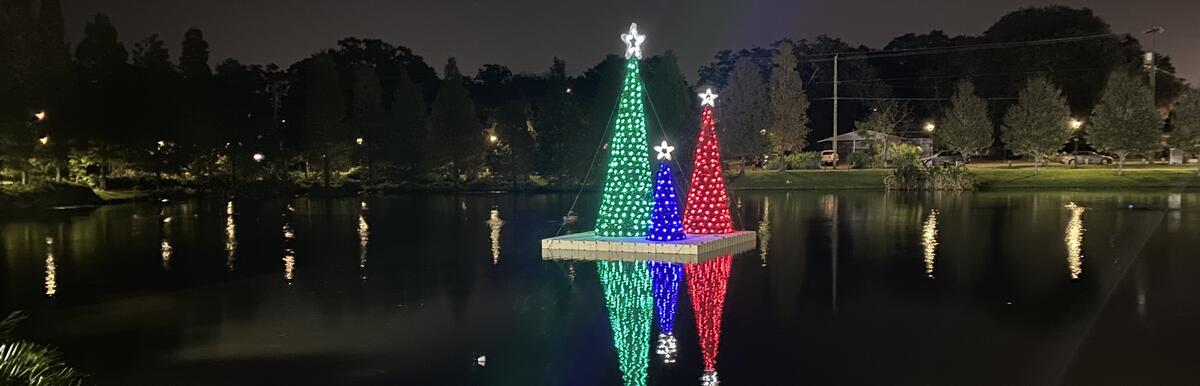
(694, 249)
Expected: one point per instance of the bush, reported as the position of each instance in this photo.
(859, 160)
(913, 177)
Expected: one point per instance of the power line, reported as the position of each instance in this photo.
(828, 57)
(1081, 69)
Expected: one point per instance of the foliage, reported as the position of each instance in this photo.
(407, 127)
(966, 126)
(563, 142)
(903, 154)
(514, 131)
(457, 138)
(860, 160)
(368, 117)
(788, 121)
(1125, 121)
(946, 177)
(886, 117)
(321, 122)
(1185, 123)
(742, 117)
(28, 363)
(1037, 126)
(796, 161)
(671, 101)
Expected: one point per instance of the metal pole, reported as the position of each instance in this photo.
(835, 112)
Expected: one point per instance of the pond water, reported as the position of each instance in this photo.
(851, 288)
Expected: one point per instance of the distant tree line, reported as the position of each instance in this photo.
(375, 113)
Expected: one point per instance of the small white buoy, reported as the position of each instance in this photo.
(481, 361)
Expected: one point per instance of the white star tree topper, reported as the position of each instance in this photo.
(633, 42)
(664, 151)
(708, 98)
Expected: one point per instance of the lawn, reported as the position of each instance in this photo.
(990, 178)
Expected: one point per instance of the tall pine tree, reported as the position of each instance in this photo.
(405, 136)
(788, 122)
(457, 137)
(743, 118)
(324, 109)
(368, 116)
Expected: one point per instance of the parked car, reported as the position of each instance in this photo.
(829, 158)
(1085, 158)
(944, 157)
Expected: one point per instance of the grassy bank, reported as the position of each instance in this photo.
(870, 179)
(990, 178)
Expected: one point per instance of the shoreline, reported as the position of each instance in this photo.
(61, 196)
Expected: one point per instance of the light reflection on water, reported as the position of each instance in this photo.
(51, 269)
(929, 234)
(364, 237)
(494, 224)
(1074, 240)
(981, 248)
(230, 237)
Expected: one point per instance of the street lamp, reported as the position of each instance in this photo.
(358, 140)
(929, 126)
(1075, 124)
(44, 140)
(493, 138)
(40, 115)
(258, 157)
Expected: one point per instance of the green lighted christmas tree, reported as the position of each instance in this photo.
(628, 185)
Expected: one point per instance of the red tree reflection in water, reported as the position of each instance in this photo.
(706, 284)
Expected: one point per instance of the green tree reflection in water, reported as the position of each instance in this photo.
(630, 303)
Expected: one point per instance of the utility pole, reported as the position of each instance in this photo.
(1151, 61)
(835, 112)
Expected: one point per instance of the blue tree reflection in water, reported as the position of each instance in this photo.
(630, 304)
(1074, 240)
(666, 278)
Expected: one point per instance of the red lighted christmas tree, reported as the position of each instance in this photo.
(707, 210)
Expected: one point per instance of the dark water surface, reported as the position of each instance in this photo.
(845, 288)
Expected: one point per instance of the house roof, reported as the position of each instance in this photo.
(862, 135)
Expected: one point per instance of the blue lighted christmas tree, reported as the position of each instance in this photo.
(666, 224)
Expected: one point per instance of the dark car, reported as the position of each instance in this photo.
(1085, 158)
(944, 157)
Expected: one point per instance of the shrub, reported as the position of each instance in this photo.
(913, 177)
(859, 160)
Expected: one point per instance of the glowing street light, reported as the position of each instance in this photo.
(493, 138)
(358, 140)
(929, 126)
(44, 140)
(258, 157)
(40, 115)
(1076, 124)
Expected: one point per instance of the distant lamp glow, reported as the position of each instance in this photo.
(493, 138)
(40, 115)
(258, 157)
(44, 140)
(568, 90)
(1076, 124)
(161, 144)
(358, 140)
(929, 126)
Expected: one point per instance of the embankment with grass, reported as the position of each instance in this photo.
(989, 178)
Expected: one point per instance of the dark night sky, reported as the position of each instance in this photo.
(525, 34)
